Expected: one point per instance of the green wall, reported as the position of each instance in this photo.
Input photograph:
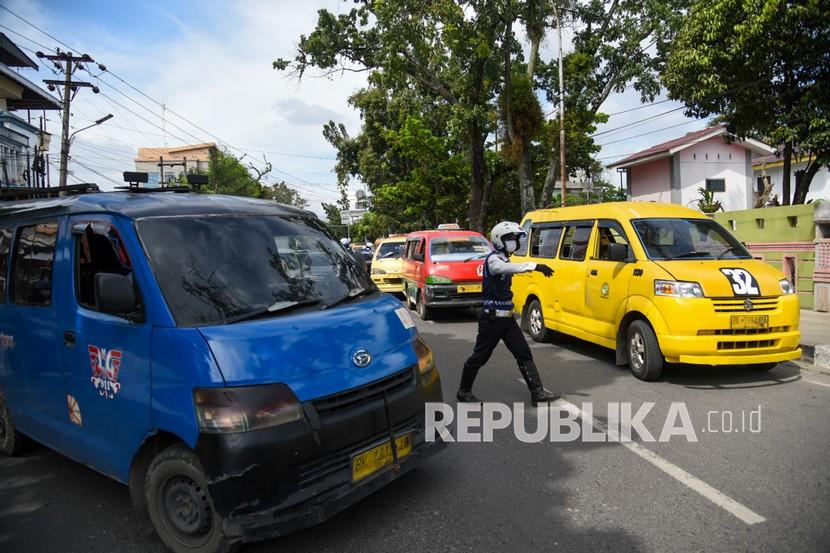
(777, 223)
(777, 226)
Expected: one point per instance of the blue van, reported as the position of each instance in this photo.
(225, 357)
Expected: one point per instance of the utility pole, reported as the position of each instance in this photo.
(70, 88)
(562, 173)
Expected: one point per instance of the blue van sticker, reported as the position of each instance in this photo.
(6, 341)
(106, 364)
(74, 410)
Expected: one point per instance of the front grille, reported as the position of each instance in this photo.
(736, 305)
(374, 390)
(742, 331)
(335, 461)
(744, 345)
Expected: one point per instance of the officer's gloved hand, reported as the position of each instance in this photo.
(544, 269)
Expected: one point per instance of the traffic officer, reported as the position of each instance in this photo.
(496, 321)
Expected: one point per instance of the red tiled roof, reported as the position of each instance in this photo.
(665, 147)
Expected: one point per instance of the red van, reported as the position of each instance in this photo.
(443, 268)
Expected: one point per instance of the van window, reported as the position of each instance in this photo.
(418, 250)
(575, 243)
(523, 243)
(609, 232)
(226, 268)
(545, 241)
(389, 250)
(33, 259)
(97, 252)
(5, 249)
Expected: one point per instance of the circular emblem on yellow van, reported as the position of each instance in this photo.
(604, 289)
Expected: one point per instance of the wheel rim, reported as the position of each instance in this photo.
(536, 321)
(186, 511)
(637, 350)
(419, 305)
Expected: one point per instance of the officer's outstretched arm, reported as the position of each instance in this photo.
(498, 266)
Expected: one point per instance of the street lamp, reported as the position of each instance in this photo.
(107, 117)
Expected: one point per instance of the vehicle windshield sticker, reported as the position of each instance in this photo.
(106, 364)
(405, 316)
(74, 410)
(743, 283)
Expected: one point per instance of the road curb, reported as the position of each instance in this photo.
(817, 355)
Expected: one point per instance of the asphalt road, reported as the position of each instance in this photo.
(738, 491)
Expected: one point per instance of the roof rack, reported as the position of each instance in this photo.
(27, 193)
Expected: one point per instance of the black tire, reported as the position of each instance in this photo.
(176, 479)
(12, 442)
(763, 367)
(536, 322)
(644, 356)
(426, 313)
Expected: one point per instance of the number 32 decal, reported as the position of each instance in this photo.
(743, 283)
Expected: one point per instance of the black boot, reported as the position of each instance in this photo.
(465, 389)
(538, 393)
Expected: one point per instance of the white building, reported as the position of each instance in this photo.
(773, 166)
(673, 171)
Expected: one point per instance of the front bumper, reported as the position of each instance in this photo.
(390, 284)
(447, 295)
(276, 481)
(699, 331)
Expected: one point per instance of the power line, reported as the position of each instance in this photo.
(650, 132)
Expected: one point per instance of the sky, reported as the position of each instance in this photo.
(210, 62)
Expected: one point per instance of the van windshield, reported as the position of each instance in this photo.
(390, 250)
(668, 239)
(458, 248)
(219, 269)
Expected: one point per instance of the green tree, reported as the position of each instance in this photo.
(433, 47)
(763, 65)
(283, 194)
(227, 175)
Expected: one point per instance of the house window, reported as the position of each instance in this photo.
(759, 223)
(732, 224)
(716, 185)
(793, 221)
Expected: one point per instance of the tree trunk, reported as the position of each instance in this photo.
(477, 211)
(787, 169)
(803, 180)
(550, 182)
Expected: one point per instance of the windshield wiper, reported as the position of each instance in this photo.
(348, 297)
(734, 248)
(688, 254)
(479, 256)
(277, 307)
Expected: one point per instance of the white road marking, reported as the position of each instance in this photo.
(816, 382)
(740, 511)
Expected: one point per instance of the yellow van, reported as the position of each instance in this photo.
(387, 264)
(657, 283)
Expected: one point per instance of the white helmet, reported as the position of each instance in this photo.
(505, 231)
(345, 242)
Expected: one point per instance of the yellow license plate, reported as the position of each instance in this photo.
(469, 288)
(371, 461)
(750, 321)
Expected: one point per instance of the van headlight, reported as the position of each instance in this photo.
(787, 287)
(245, 408)
(376, 271)
(424, 354)
(677, 289)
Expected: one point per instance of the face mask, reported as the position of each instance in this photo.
(510, 246)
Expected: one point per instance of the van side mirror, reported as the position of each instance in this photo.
(114, 293)
(618, 252)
